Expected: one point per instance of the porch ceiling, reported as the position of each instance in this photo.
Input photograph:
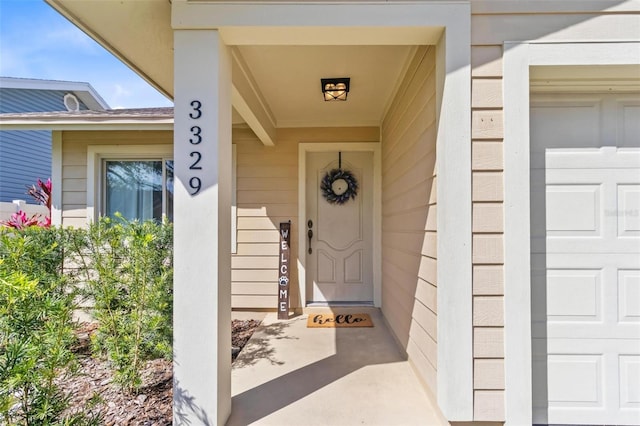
(288, 78)
(285, 79)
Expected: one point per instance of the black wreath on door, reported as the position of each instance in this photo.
(339, 186)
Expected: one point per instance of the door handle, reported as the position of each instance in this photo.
(310, 235)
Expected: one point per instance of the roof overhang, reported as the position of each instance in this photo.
(84, 125)
(138, 33)
(84, 91)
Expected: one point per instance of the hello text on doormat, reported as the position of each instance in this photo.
(339, 320)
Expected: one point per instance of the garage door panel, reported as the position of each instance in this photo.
(565, 371)
(585, 262)
(576, 210)
(574, 295)
(629, 374)
(584, 381)
(629, 123)
(586, 158)
(568, 122)
(585, 296)
(585, 211)
(628, 211)
(629, 296)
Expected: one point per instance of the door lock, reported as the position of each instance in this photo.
(310, 234)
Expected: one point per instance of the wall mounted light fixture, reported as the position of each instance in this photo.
(335, 89)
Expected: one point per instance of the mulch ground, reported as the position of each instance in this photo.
(93, 392)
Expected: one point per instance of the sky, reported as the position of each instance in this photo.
(38, 42)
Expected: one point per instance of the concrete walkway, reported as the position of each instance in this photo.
(289, 374)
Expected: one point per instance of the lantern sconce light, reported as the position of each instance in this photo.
(335, 89)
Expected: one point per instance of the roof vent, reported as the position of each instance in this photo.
(71, 102)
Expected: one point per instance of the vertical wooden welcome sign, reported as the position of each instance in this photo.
(283, 271)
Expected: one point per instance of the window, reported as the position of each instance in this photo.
(137, 181)
(139, 189)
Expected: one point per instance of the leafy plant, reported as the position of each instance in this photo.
(129, 277)
(36, 328)
(42, 194)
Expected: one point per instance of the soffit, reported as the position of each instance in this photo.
(288, 78)
(137, 32)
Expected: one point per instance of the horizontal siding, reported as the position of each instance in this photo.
(267, 194)
(25, 157)
(32, 100)
(409, 212)
(74, 164)
(488, 227)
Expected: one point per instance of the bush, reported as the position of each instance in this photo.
(128, 267)
(36, 329)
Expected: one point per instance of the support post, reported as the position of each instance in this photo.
(202, 226)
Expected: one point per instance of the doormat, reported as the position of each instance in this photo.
(339, 320)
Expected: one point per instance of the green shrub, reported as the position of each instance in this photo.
(36, 328)
(128, 268)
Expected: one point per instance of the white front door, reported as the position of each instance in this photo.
(585, 258)
(339, 250)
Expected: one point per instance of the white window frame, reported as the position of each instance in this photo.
(98, 154)
(96, 157)
(163, 177)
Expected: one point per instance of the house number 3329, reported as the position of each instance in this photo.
(195, 139)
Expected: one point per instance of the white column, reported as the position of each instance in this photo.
(202, 249)
(56, 177)
(455, 262)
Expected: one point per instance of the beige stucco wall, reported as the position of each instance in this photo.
(409, 216)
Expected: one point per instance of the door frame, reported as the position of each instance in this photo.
(518, 57)
(374, 147)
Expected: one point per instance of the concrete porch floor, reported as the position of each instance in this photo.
(289, 374)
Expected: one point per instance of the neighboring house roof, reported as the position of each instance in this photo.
(138, 118)
(83, 91)
(159, 118)
(25, 155)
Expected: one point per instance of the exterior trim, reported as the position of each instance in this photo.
(202, 225)
(21, 124)
(537, 6)
(454, 220)
(375, 147)
(95, 154)
(518, 58)
(56, 178)
(234, 196)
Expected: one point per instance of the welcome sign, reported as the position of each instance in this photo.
(283, 271)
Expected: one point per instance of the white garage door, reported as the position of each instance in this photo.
(585, 262)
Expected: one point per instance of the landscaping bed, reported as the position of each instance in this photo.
(93, 391)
